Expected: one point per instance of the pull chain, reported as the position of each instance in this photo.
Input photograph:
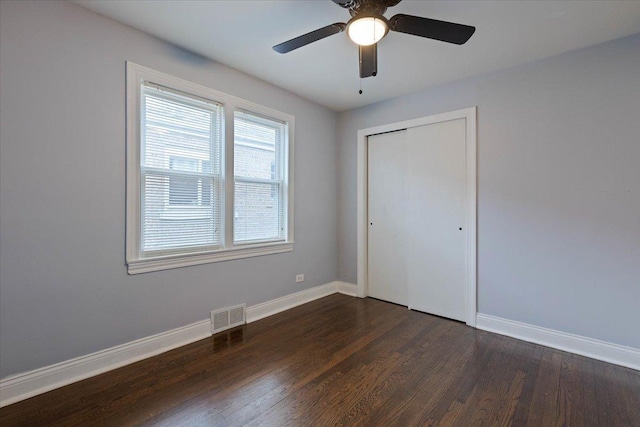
(360, 91)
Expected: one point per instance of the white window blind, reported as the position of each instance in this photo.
(180, 171)
(259, 169)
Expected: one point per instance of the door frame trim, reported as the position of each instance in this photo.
(469, 114)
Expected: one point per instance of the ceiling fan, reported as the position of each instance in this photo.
(368, 26)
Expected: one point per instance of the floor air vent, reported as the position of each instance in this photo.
(227, 318)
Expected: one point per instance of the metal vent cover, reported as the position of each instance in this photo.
(227, 318)
(236, 316)
(220, 320)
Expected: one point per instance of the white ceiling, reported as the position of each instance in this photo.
(241, 33)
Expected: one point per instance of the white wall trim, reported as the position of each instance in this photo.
(278, 305)
(469, 114)
(185, 260)
(589, 347)
(347, 288)
(23, 386)
(28, 384)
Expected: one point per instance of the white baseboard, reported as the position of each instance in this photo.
(347, 288)
(278, 305)
(23, 386)
(589, 347)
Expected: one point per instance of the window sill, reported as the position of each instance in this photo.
(168, 262)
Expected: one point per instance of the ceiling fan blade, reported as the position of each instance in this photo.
(431, 28)
(368, 61)
(311, 37)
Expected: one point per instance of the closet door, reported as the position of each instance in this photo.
(436, 238)
(416, 218)
(387, 186)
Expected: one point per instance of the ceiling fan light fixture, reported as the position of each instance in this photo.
(367, 30)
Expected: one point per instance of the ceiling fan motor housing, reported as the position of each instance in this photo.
(373, 7)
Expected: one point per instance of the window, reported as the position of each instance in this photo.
(259, 178)
(180, 140)
(208, 175)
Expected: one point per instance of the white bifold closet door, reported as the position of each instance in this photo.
(387, 163)
(417, 236)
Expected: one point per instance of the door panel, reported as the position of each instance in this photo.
(387, 160)
(436, 243)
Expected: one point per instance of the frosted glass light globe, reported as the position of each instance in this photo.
(367, 31)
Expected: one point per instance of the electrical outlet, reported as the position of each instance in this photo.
(299, 278)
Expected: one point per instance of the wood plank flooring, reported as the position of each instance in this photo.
(347, 361)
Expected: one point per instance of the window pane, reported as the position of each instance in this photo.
(254, 162)
(185, 221)
(174, 130)
(258, 143)
(259, 170)
(183, 164)
(257, 211)
(181, 191)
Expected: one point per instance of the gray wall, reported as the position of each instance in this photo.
(64, 290)
(558, 187)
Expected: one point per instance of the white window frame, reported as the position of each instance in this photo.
(136, 262)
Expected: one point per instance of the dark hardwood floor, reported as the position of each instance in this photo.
(348, 361)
